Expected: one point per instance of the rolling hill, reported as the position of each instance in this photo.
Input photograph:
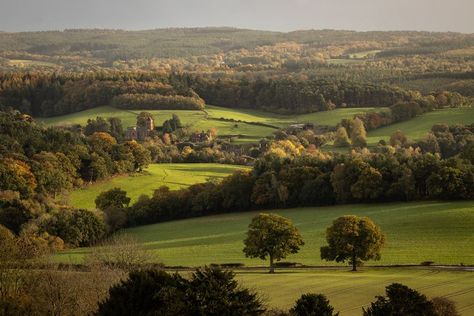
(415, 232)
(175, 176)
(217, 117)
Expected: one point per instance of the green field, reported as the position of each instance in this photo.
(174, 176)
(415, 232)
(419, 126)
(349, 292)
(213, 115)
(203, 120)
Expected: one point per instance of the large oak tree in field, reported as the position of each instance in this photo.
(354, 239)
(272, 236)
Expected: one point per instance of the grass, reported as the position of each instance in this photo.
(250, 133)
(348, 292)
(331, 118)
(418, 127)
(174, 176)
(415, 232)
(128, 117)
(28, 62)
(200, 120)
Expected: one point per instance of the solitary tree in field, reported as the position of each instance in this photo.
(272, 236)
(354, 239)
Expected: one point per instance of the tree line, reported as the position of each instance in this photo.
(295, 94)
(50, 94)
(310, 178)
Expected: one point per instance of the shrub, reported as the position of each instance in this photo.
(313, 305)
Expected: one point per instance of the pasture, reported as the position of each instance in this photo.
(348, 292)
(415, 232)
(217, 117)
(175, 176)
(418, 127)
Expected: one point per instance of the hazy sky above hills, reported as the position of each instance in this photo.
(280, 15)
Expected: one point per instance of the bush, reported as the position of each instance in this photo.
(444, 307)
(313, 305)
(427, 263)
(287, 264)
(228, 265)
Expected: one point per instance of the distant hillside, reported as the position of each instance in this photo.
(185, 42)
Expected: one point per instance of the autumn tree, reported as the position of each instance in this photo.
(398, 139)
(342, 139)
(272, 236)
(353, 238)
(16, 175)
(358, 133)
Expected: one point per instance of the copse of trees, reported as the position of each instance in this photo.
(157, 102)
(77, 228)
(272, 236)
(111, 125)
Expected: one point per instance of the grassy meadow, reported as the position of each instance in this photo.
(418, 127)
(175, 176)
(211, 117)
(249, 133)
(415, 232)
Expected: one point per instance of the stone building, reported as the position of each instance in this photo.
(142, 130)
